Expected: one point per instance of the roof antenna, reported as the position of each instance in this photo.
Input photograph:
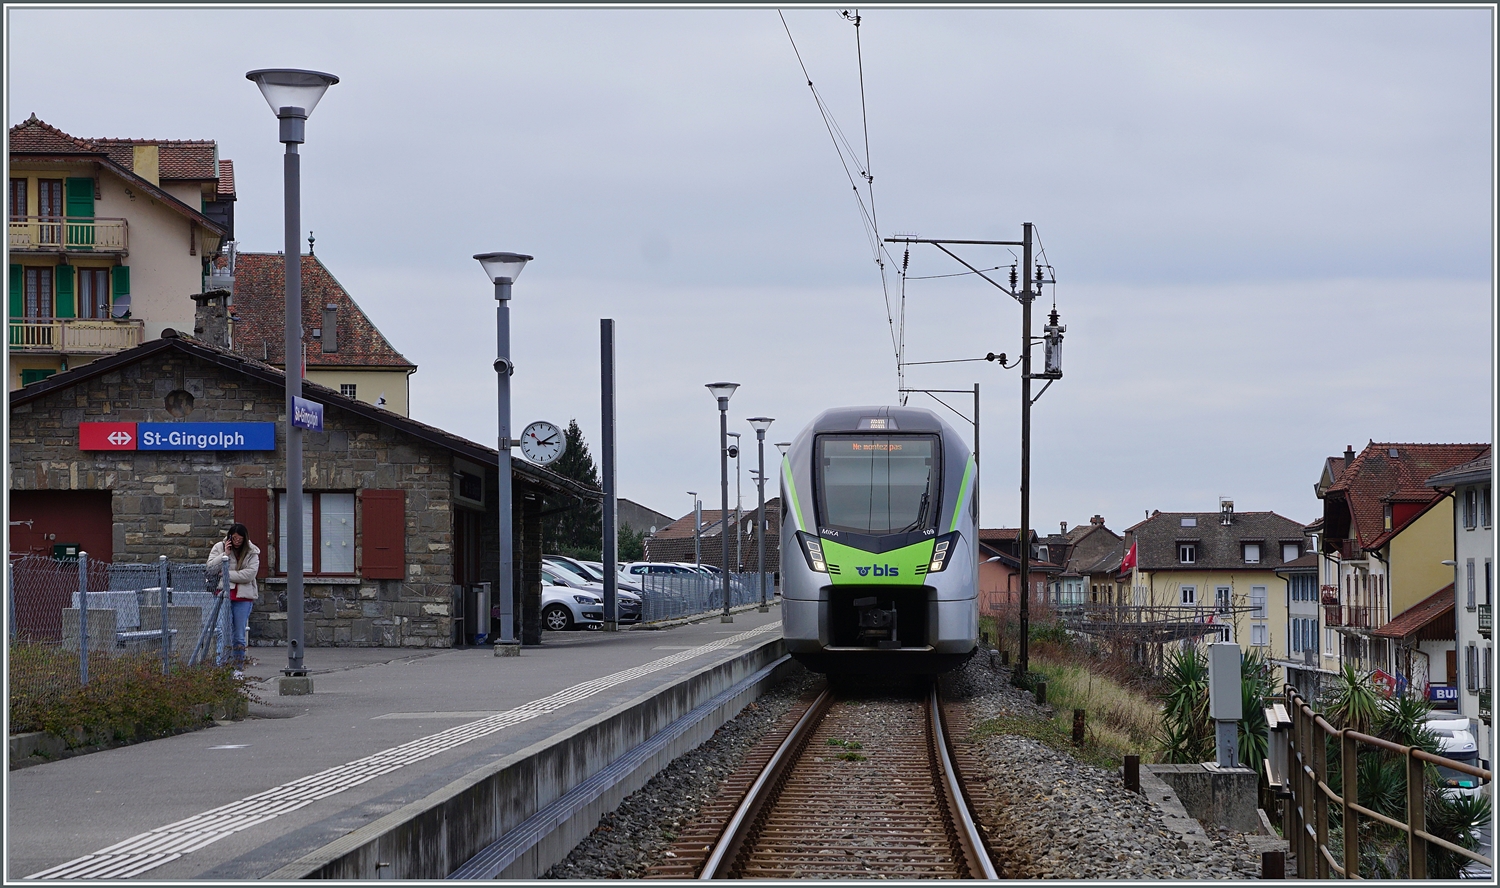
(310, 240)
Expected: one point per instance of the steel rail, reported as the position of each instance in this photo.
(970, 840)
(761, 791)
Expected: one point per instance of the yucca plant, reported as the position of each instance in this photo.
(1353, 702)
(1187, 733)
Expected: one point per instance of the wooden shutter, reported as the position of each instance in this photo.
(80, 198)
(251, 510)
(64, 292)
(383, 534)
(17, 288)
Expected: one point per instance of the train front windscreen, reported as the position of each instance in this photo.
(877, 484)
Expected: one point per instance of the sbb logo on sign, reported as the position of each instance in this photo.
(106, 436)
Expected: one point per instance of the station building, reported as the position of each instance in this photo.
(399, 516)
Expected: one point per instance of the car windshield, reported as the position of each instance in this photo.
(1450, 777)
(877, 484)
(567, 576)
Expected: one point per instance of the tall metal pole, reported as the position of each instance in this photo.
(292, 122)
(1024, 536)
(83, 618)
(697, 531)
(506, 585)
(611, 536)
(760, 518)
(977, 525)
(739, 537)
(724, 498)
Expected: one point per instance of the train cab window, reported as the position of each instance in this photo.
(878, 484)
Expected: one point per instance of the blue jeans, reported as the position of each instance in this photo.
(234, 628)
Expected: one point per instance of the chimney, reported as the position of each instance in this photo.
(1064, 526)
(145, 161)
(211, 318)
(1226, 512)
(1348, 456)
(1097, 520)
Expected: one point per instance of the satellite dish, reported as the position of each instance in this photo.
(121, 308)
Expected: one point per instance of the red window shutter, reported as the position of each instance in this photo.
(383, 534)
(252, 509)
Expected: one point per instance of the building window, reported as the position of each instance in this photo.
(93, 292)
(18, 200)
(1222, 597)
(38, 292)
(1486, 582)
(1484, 672)
(1290, 552)
(1187, 553)
(1469, 601)
(1328, 638)
(1252, 553)
(347, 389)
(1471, 669)
(1484, 505)
(1189, 594)
(1258, 602)
(1190, 522)
(327, 533)
(1387, 516)
(1258, 635)
(1471, 508)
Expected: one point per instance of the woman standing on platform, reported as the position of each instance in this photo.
(244, 563)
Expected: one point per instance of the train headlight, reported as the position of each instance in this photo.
(814, 552)
(942, 547)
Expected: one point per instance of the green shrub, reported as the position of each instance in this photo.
(127, 698)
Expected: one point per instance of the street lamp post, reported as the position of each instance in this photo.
(761, 424)
(722, 391)
(1052, 371)
(292, 94)
(503, 269)
(697, 527)
(734, 450)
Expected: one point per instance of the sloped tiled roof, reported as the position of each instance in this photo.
(1218, 545)
(1376, 478)
(1001, 534)
(260, 316)
(1428, 613)
(178, 159)
(226, 178)
(35, 136)
(682, 528)
(1475, 470)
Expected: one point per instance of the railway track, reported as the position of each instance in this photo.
(847, 787)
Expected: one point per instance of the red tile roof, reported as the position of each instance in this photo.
(1425, 614)
(260, 316)
(1376, 478)
(226, 178)
(683, 527)
(177, 159)
(34, 136)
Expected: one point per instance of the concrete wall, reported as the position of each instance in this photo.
(177, 503)
(1221, 797)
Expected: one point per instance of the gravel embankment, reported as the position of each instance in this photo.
(1053, 816)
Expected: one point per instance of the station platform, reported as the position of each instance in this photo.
(384, 728)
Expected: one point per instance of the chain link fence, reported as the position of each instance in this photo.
(55, 647)
(673, 596)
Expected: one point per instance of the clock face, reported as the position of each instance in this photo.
(542, 443)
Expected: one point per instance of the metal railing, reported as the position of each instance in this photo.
(672, 596)
(1312, 798)
(1484, 705)
(1486, 619)
(75, 335)
(56, 233)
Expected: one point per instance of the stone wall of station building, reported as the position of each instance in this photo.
(177, 503)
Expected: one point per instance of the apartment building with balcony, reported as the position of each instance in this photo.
(1468, 486)
(108, 239)
(1387, 536)
(1215, 575)
(342, 347)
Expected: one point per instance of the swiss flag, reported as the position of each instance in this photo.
(1127, 563)
(106, 436)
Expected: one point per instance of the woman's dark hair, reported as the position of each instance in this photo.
(237, 528)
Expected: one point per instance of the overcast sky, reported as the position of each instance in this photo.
(1272, 230)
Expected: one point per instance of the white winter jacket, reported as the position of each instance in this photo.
(241, 577)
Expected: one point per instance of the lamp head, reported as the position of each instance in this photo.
(722, 390)
(289, 90)
(503, 268)
(760, 423)
(784, 446)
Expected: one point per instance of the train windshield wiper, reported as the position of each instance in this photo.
(921, 516)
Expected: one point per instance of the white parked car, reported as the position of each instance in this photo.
(1455, 741)
(564, 607)
(629, 603)
(592, 571)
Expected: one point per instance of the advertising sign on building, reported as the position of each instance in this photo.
(1442, 696)
(197, 436)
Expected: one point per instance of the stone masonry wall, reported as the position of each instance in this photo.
(177, 503)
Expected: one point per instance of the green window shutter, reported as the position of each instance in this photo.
(64, 292)
(81, 198)
(17, 291)
(120, 286)
(30, 376)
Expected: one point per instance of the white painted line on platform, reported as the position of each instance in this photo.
(145, 852)
(473, 713)
(229, 745)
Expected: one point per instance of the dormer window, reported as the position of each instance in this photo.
(1387, 516)
(1187, 553)
(1252, 553)
(1290, 552)
(1190, 522)
(1041, 553)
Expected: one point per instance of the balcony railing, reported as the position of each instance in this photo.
(1333, 615)
(78, 336)
(1348, 550)
(1484, 705)
(1486, 619)
(1363, 617)
(59, 233)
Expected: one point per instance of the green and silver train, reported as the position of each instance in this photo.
(879, 563)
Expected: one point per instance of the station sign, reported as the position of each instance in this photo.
(193, 436)
(307, 414)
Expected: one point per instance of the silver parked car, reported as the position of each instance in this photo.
(628, 603)
(564, 607)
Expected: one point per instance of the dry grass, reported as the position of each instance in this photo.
(1121, 718)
